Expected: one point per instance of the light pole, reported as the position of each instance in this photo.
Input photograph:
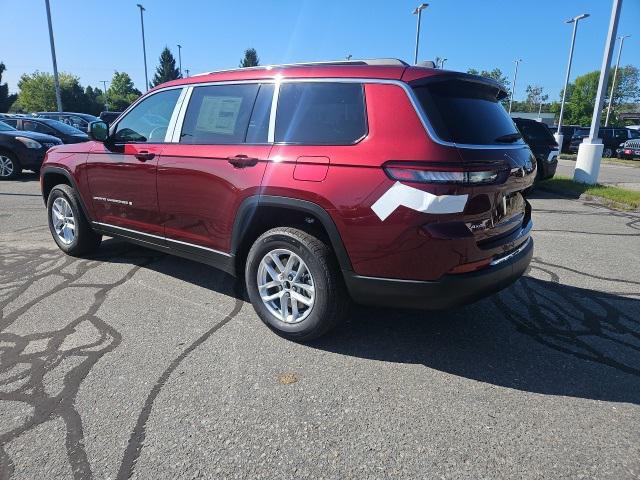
(180, 58)
(144, 48)
(574, 20)
(53, 58)
(106, 102)
(613, 83)
(590, 150)
(442, 63)
(349, 57)
(187, 70)
(418, 11)
(513, 88)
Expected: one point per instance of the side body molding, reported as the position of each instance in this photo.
(249, 206)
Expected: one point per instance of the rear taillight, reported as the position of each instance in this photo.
(443, 173)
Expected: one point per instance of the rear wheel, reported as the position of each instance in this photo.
(294, 284)
(9, 166)
(68, 225)
(607, 152)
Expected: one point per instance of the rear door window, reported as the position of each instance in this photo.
(219, 114)
(535, 132)
(320, 113)
(467, 112)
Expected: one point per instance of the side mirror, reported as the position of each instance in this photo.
(98, 131)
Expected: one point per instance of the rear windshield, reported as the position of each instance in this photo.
(467, 112)
(535, 132)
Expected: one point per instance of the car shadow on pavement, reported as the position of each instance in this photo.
(536, 336)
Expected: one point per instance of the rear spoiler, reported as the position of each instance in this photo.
(446, 76)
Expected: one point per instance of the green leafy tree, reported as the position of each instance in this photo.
(250, 58)
(495, 74)
(166, 70)
(581, 94)
(6, 100)
(535, 97)
(121, 92)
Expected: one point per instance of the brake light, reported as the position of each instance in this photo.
(442, 173)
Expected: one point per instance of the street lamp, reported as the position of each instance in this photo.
(574, 20)
(418, 11)
(513, 88)
(180, 58)
(53, 58)
(442, 63)
(613, 83)
(590, 150)
(144, 48)
(106, 102)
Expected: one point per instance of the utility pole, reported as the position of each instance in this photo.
(144, 48)
(187, 70)
(590, 150)
(613, 83)
(180, 59)
(513, 88)
(418, 11)
(442, 63)
(106, 102)
(56, 81)
(558, 135)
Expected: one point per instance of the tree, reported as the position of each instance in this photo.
(535, 97)
(250, 58)
(495, 74)
(6, 100)
(121, 93)
(581, 94)
(166, 70)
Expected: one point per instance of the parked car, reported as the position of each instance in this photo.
(109, 117)
(47, 126)
(22, 150)
(76, 120)
(629, 150)
(543, 145)
(567, 134)
(412, 201)
(611, 138)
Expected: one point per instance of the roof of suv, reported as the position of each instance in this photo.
(385, 69)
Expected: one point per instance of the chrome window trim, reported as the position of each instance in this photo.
(158, 237)
(174, 117)
(177, 129)
(364, 80)
(271, 135)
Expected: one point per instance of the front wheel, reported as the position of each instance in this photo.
(294, 284)
(68, 225)
(9, 166)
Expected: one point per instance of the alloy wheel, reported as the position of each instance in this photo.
(63, 220)
(6, 166)
(286, 286)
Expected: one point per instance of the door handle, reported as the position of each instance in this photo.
(144, 155)
(242, 161)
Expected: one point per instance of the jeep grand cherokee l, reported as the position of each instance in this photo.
(387, 183)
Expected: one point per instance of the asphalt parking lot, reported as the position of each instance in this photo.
(135, 364)
(625, 176)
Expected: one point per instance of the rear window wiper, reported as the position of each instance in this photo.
(509, 138)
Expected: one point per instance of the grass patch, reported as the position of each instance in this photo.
(615, 196)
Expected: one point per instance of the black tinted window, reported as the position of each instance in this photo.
(535, 132)
(12, 122)
(258, 130)
(149, 119)
(320, 113)
(634, 133)
(219, 114)
(467, 112)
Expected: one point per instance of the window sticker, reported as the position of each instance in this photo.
(218, 114)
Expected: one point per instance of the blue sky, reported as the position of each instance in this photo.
(94, 38)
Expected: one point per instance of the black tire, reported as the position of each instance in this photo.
(607, 152)
(16, 168)
(85, 240)
(331, 301)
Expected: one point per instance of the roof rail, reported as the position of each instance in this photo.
(371, 61)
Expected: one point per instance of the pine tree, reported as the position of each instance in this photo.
(250, 58)
(6, 100)
(167, 69)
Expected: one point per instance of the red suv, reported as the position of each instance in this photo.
(390, 184)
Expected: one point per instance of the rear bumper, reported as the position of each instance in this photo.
(447, 292)
(547, 169)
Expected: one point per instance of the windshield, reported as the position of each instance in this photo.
(467, 112)
(5, 128)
